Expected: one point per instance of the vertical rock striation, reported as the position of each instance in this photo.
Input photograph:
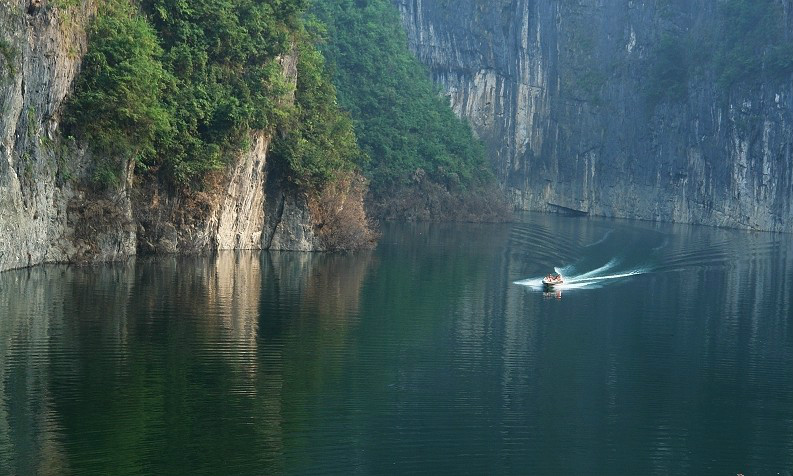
(248, 206)
(40, 205)
(560, 93)
(48, 210)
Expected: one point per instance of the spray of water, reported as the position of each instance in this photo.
(589, 279)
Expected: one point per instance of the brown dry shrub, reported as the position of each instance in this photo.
(339, 214)
(94, 217)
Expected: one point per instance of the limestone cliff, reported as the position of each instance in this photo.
(558, 90)
(43, 46)
(48, 211)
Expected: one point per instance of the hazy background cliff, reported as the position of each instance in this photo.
(675, 110)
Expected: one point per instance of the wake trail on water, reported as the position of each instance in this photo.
(595, 278)
(601, 240)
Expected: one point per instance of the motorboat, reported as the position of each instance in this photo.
(552, 280)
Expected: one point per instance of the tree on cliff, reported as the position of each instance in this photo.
(421, 153)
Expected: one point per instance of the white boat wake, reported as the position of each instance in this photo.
(589, 279)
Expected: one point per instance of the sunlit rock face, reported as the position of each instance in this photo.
(49, 212)
(562, 94)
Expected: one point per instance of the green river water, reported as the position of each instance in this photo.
(668, 351)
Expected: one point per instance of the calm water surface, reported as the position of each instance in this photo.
(669, 351)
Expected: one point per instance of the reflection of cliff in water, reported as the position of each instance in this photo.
(707, 329)
(101, 366)
(206, 301)
(41, 344)
(25, 394)
(327, 285)
(313, 304)
(423, 352)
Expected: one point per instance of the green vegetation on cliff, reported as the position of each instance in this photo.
(669, 71)
(402, 121)
(752, 41)
(747, 42)
(7, 54)
(116, 107)
(317, 139)
(178, 86)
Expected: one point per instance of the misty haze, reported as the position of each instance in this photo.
(408, 237)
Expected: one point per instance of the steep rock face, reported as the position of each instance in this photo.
(48, 211)
(248, 206)
(559, 93)
(42, 218)
(289, 225)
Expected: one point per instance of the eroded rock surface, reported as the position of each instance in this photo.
(49, 212)
(559, 93)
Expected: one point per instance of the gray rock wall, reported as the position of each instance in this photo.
(249, 206)
(49, 213)
(558, 91)
(44, 46)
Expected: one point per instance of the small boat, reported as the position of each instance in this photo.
(552, 280)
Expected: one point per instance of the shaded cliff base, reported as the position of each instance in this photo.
(248, 206)
(425, 200)
(233, 212)
(340, 217)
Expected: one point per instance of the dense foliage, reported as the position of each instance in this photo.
(401, 120)
(226, 80)
(117, 106)
(317, 140)
(752, 41)
(748, 41)
(179, 86)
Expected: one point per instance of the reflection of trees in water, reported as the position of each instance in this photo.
(253, 361)
(312, 304)
(159, 366)
(327, 285)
